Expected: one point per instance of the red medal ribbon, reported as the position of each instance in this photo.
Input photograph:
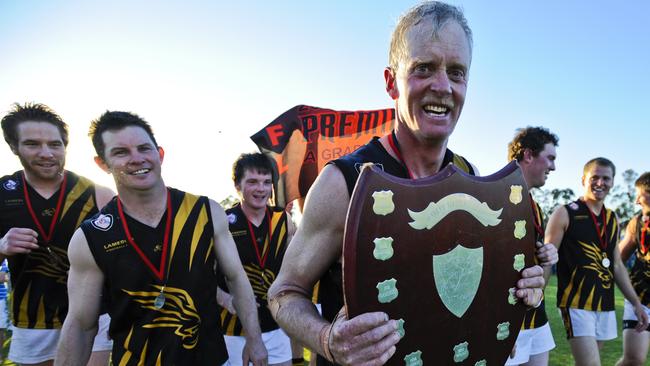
(538, 218)
(159, 273)
(394, 144)
(644, 233)
(602, 234)
(260, 260)
(47, 236)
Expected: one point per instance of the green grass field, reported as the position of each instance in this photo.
(561, 355)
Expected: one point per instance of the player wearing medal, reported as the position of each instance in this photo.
(261, 233)
(586, 233)
(427, 78)
(637, 241)
(534, 150)
(153, 250)
(40, 207)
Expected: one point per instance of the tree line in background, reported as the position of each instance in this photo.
(621, 198)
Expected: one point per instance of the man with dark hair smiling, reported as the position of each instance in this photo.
(153, 249)
(534, 149)
(40, 207)
(262, 233)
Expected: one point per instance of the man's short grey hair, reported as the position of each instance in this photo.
(438, 13)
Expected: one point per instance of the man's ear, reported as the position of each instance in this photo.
(161, 153)
(528, 155)
(391, 86)
(102, 164)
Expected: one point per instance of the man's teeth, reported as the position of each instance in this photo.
(141, 171)
(436, 109)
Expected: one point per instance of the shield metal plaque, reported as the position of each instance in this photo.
(450, 271)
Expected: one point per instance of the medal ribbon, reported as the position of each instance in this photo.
(394, 144)
(644, 233)
(538, 219)
(159, 273)
(602, 233)
(59, 203)
(260, 260)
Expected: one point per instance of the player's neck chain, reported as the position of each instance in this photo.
(159, 272)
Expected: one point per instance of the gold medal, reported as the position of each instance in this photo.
(159, 302)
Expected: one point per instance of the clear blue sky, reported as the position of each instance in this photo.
(208, 74)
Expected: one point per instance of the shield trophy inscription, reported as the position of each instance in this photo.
(442, 255)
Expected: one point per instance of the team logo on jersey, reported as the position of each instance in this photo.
(103, 222)
(10, 185)
(573, 206)
(178, 312)
(232, 218)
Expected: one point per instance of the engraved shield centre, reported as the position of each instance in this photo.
(457, 276)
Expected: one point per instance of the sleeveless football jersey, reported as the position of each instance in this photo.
(184, 330)
(331, 284)
(640, 272)
(261, 261)
(39, 279)
(536, 318)
(584, 282)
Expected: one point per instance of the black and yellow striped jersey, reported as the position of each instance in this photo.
(640, 272)
(536, 318)
(261, 264)
(39, 279)
(185, 330)
(584, 280)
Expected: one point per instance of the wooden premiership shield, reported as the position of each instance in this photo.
(442, 255)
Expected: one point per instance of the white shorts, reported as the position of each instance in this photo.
(586, 323)
(4, 315)
(39, 345)
(532, 342)
(629, 318)
(277, 344)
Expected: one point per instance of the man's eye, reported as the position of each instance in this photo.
(456, 75)
(422, 69)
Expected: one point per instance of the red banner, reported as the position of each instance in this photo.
(303, 139)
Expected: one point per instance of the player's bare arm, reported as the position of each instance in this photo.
(291, 229)
(557, 225)
(364, 340)
(240, 288)
(85, 282)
